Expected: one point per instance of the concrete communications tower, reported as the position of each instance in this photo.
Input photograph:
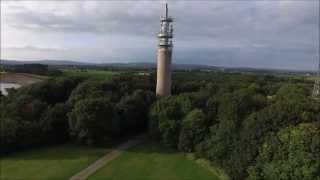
(316, 88)
(164, 55)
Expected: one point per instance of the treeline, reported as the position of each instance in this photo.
(38, 69)
(253, 126)
(66, 108)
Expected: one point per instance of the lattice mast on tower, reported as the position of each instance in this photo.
(316, 88)
(164, 55)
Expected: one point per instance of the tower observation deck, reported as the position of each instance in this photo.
(166, 30)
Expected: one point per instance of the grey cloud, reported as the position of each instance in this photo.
(236, 33)
(105, 18)
(33, 48)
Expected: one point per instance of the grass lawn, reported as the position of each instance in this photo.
(151, 161)
(50, 163)
(313, 78)
(95, 74)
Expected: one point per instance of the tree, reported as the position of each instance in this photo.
(292, 153)
(93, 89)
(222, 145)
(166, 116)
(193, 131)
(54, 123)
(91, 120)
(132, 111)
(52, 91)
(8, 135)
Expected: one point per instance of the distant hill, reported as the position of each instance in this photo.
(145, 65)
(142, 65)
(45, 62)
(154, 65)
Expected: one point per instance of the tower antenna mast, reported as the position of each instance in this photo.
(166, 10)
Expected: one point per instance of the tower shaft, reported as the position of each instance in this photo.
(164, 55)
(164, 71)
(316, 88)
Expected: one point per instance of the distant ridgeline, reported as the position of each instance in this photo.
(39, 69)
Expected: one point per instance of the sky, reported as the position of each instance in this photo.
(260, 34)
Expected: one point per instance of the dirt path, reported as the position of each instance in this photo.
(105, 159)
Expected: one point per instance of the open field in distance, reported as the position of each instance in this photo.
(21, 78)
(94, 74)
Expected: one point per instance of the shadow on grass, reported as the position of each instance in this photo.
(61, 152)
(153, 147)
(75, 151)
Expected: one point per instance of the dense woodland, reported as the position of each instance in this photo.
(39, 69)
(253, 126)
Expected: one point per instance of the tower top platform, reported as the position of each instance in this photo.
(166, 29)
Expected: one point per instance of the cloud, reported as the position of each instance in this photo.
(88, 16)
(33, 48)
(268, 34)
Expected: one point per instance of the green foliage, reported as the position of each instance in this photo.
(31, 116)
(87, 89)
(89, 74)
(54, 123)
(91, 120)
(166, 117)
(292, 153)
(226, 118)
(132, 111)
(39, 69)
(8, 135)
(193, 130)
(55, 90)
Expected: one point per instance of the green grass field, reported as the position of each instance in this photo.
(94, 74)
(312, 78)
(147, 161)
(151, 161)
(50, 163)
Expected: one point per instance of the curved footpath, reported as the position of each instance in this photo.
(106, 159)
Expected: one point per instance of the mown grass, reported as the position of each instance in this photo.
(92, 74)
(50, 163)
(151, 161)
